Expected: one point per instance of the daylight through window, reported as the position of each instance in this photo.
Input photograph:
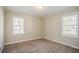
(18, 25)
(70, 25)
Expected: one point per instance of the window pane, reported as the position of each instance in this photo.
(69, 25)
(69, 28)
(18, 25)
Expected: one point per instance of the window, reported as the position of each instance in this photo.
(70, 25)
(18, 25)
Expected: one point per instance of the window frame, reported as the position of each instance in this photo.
(18, 25)
(62, 25)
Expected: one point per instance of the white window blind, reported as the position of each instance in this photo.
(18, 25)
(70, 25)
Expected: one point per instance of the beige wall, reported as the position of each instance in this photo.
(1, 28)
(32, 28)
(52, 30)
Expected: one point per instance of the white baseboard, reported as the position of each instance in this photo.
(73, 46)
(44, 38)
(23, 40)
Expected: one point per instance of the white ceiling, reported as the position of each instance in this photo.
(47, 10)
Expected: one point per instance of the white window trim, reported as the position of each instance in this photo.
(61, 25)
(19, 26)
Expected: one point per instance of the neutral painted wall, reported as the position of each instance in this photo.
(52, 29)
(32, 28)
(1, 28)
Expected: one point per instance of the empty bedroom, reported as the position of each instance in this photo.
(39, 29)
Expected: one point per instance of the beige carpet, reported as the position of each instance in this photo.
(38, 46)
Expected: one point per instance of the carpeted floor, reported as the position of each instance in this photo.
(38, 46)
